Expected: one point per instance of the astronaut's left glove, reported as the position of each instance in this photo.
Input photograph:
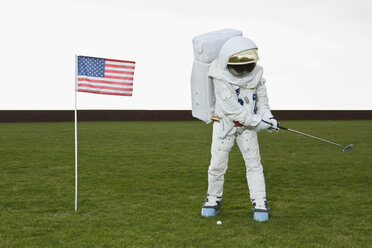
(274, 124)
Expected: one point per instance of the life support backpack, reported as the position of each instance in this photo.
(206, 49)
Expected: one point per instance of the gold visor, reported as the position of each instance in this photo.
(243, 57)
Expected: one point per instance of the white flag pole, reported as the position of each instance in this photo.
(76, 182)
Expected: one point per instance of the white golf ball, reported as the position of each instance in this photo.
(219, 222)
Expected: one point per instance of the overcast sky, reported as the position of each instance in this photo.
(315, 54)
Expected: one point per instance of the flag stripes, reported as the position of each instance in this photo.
(120, 72)
(105, 82)
(104, 87)
(120, 66)
(115, 93)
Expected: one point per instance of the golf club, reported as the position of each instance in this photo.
(345, 149)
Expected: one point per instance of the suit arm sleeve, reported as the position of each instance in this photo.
(263, 100)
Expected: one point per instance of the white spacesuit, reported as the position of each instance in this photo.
(241, 110)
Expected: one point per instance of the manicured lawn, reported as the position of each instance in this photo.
(142, 184)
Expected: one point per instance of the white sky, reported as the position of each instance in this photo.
(316, 54)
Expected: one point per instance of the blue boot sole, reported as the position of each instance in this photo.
(209, 212)
(261, 216)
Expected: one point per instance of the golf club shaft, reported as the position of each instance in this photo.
(310, 136)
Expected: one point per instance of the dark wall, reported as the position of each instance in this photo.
(167, 115)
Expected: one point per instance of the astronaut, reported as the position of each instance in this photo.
(241, 110)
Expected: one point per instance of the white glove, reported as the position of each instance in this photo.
(274, 124)
(263, 126)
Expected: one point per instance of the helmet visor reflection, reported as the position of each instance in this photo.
(241, 70)
(244, 57)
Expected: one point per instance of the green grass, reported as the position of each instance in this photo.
(142, 184)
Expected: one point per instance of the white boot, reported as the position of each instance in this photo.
(260, 210)
(211, 206)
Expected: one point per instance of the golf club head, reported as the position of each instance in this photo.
(349, 147)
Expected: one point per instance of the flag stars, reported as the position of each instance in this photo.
(92, 67)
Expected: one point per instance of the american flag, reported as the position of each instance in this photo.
(105, 76)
